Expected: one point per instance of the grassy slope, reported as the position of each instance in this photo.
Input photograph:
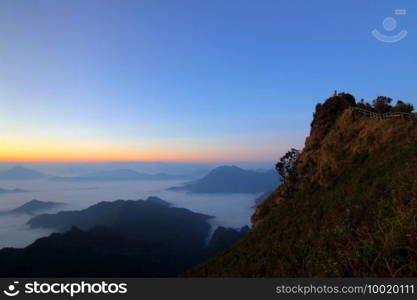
(353, 212)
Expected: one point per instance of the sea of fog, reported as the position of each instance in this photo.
(229, 210)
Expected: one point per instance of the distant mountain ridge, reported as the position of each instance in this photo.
(21, 173)
(116, 175)
(232, 179)
(143, 213)
(34, 206)
(12, 191)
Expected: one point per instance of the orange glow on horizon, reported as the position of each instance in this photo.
(167, 158)
(14, 151)
(56, 159)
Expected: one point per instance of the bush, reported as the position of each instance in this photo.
(364, 105)
(402, 107)
(382, 104)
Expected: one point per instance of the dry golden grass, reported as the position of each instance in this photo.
(349, 210)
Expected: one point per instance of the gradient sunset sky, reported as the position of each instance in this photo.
(176, 80)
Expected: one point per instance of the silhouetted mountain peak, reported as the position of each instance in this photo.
(224, 169)
(36, 206)
(158, 201)
(232, 179)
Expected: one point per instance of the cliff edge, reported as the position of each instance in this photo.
(348, 210)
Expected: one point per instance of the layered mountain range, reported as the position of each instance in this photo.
(123, 238)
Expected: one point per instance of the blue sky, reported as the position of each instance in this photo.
(188, 80)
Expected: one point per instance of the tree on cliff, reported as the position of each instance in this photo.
(402, 107)
(382, 104)
(286, 163)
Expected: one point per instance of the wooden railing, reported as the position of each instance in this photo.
(389, 115)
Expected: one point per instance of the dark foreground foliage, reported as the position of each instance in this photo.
(117, 239)
(382, 104)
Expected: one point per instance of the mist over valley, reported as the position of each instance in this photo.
(230, 210)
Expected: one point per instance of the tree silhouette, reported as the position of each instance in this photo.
(285, 166)
(382, 104)
(402, 107)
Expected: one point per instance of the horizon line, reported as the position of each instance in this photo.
(134, 161)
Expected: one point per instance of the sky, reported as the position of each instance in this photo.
(188, 80)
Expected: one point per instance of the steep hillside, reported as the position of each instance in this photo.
(348, 209)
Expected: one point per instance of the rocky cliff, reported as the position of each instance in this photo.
(348, 209)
